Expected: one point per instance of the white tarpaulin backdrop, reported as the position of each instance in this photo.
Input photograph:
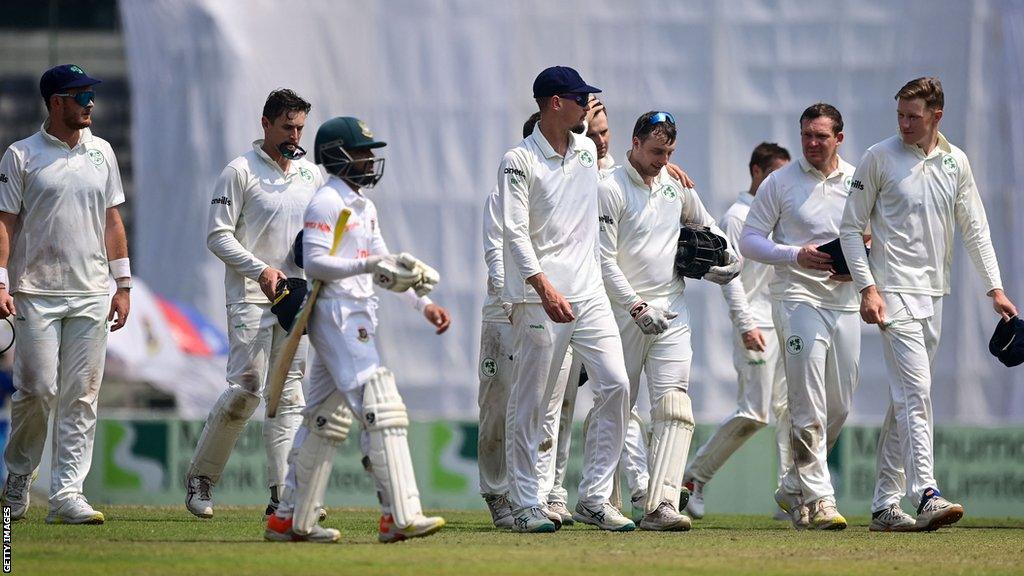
(448, 85)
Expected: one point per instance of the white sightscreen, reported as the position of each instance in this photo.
(448, 85)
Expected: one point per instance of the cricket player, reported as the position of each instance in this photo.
(641, 210)
(762, 378)
(548, 185)
(255, 214)
(913, 189)
(62, 236)
(346, 376)
(813, 310)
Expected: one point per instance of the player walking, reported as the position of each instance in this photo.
(801, 205)
(914, 189)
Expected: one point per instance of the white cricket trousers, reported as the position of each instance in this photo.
(821, 352)
(540, 347)
(761, 393)
(665, 358)
(905, 458)
(495, 373)
(60, 353)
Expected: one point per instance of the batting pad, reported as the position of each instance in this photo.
(670, 442)
(328, 426)
(387, 424)
(223, 426)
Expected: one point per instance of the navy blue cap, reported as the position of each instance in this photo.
(1007, 343)
(560, 80)
(60, 78)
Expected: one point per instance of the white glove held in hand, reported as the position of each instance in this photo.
(429, 277)
(651, 320)
(724, 274)
(391, 273)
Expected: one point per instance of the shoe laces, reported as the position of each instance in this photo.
(892, 513)
(202, 485)
(824, 505)
(16, 484)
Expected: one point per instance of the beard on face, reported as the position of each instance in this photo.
(75, 120)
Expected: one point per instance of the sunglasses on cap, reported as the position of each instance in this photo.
(660, 117)
(580, 99)
(82, 98)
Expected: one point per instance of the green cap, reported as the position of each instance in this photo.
(351, 133)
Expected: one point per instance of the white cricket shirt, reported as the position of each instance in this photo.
(61, 196)
(640, 233)
(255, 213)
(798, 205)
(550, 217)
(913, 200)
(750, 305)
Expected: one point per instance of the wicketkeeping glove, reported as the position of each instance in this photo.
(698, 251)
(651, 320)
(723, 274)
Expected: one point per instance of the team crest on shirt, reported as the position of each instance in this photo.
(586, 158)
(489, 367)
(795, 345)
(949, 165)
(848, 183)
(96, 157)
(669, 192)
(362, 335)
(306, 175)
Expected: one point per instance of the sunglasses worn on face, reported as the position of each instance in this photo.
(580, 99)
(82, 98)
(662, 117)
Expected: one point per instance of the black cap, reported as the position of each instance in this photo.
(1007, 343)
(560, 80)
(60, 78)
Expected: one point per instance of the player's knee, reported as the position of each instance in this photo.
(332, 419)
(237, 404)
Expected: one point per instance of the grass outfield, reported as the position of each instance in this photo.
(150, 540)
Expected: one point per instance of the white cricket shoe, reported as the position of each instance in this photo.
(607, 517)
(199, 496)
(891, 519)
(420, 526)
(532, 520)
(695, 503)
(936, 512)
(17, 492)
(280, 530)
(826, 516)
(562, 511)
(792, 504)
(75, 511)
(666, 519)
(501, 510)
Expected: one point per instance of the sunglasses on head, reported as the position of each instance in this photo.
(580, 99)
(82, 98)
(660, 117)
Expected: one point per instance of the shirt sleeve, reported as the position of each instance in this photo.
(733, 291)
(615, 282)
(318, 226)
(764, 215)
(11, 182)
(115, 189)
(973, 223)
(225, 210)
(493, 244)
(514, 176)
(856, 215)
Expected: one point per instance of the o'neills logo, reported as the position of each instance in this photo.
(515, 171)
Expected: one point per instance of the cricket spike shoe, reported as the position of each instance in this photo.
(666, 519)
(500, 508)
(75, 511)
(935, 511)
(533, 519)
(892, 519)
(199, 496)
(695, 501)
(792, 504)
(562, 511)
(826, 516)
(421, 526)
(605, 517)
(280, 530)
(17, 492)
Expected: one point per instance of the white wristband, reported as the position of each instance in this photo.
(120, 268)
(4, 278)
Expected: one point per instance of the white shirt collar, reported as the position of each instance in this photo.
(85, 136)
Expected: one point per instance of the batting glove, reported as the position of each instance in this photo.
(651, 320)
(724, 274)
(391, 273)
(429, 277)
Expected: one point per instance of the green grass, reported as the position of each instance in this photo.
(145, 540)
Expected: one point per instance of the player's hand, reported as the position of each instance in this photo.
(754, 341)
(268, 282)
(120, 304)
(595, 106)
(437, 316)
(813, 259)
(678, 173)
(556, 306)
(651, 320)
(394, 273)
(872, 307)
(1002, 304)
(6, 304)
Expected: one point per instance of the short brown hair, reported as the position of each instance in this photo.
(284, 100)
(815, 111)
(765, 154)
(927, 88)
